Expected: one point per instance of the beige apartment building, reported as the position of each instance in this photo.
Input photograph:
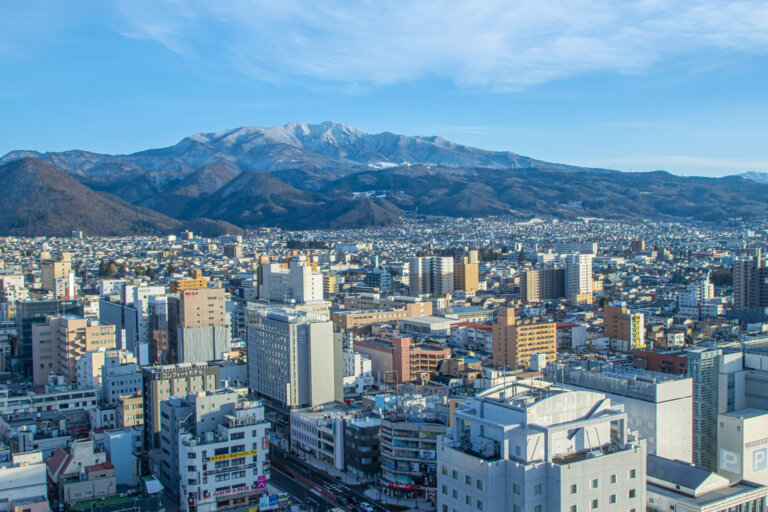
(203, 308)
(195, 282)
(513, 342)
(204, 326)
(54, 271)
(62, 340)
(465, 275)
(130, 410)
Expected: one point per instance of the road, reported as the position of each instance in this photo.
(312, 500)
(352, 493)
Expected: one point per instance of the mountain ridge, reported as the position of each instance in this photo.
(303, 176)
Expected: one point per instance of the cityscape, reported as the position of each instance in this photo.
(467, 364)
(499, 256)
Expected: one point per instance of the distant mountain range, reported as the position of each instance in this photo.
(330, 175)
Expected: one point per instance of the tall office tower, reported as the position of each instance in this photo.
(750, 283)
(55, 269)
(159, 383)
(296, 282)
(441, 275)
(514, 343)
(637, 245)
(703, 369)
(380, 279)
(529, 447)
(293, 359)
(465, 275)
(430, 276)
(210, 439)
(126, 306)
(624, 329)
(578, 275)
(204, 326)
(233, 251)
(418, 276)
(159, 329)
(530, 286)
(33, 312)
(195, 281)
(58, 343)
(540, 285)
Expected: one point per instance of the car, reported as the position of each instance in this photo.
(366, 507)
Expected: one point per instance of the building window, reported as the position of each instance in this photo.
(631, 493)
(455, 474)
(632, 473)
(594, 504)
(612, 499)
(594, 483)
(467, 500)
(574, 508)
(455, 494)
(445, 470)
(479, 484)
(537, 489)
(613, 479)
(479, 505)
(537, 508)
(515, 488)
(574, 488)
(445, 490)
(468, 480)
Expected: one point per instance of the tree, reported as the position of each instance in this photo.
(111, 269)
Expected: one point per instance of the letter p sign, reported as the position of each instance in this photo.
(760, 459)
(729, 461)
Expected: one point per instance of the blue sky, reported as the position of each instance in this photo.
(631, 85)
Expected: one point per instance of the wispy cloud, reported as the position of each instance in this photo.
(494, 44)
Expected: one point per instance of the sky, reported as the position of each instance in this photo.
(630, 85)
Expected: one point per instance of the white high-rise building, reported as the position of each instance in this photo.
(297, 283)
(430, 276)
(578, 274)
(696, 294)
(529, 447)
(214, 451)
(293, 359)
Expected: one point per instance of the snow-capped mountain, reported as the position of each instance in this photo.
(334, 148)
(759, 177)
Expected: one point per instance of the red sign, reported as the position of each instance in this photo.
(403, 486)
(234, 491)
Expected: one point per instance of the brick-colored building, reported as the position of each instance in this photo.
(399, 360)
(665, 362)
(624, 329)
(513, 342)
